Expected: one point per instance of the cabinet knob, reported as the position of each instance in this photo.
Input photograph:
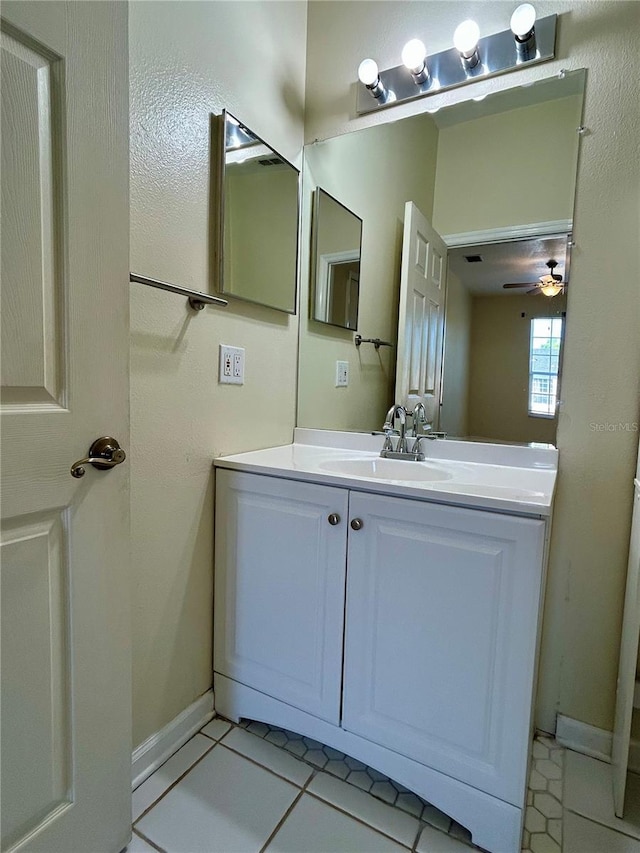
(356, 524)
(334, 519)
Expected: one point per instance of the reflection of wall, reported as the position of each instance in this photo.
(499, 367)
(261, 223)
(454, 411)
(592, 514)
(338, 231)
(185, 61)
(511, 168)
(373, 175)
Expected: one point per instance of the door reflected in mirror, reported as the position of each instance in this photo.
(336, 239)
(497, 170)
(257, 234)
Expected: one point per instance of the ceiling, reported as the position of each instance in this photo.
(514, 261)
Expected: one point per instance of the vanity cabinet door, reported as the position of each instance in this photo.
(440, 644)
(279, 588)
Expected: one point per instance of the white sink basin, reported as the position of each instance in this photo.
(387, 469)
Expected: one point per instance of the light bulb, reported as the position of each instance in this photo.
(465, 38)
(413, 55)
(523, 21)
(368, 72)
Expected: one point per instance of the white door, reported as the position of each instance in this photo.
(628, 663)
(279, 588)
(440, 643)
(421, 315)
(66, 709)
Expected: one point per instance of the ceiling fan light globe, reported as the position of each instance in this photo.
(551, 289)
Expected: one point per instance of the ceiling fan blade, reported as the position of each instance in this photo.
(520, 284)
(534, 290)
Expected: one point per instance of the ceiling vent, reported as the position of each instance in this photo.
(473, 259)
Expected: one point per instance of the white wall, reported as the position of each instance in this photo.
(188, 60)
(511, 168)
(499, 366)
(454, 413)
(593, 505)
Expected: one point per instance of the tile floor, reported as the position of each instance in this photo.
(252, 788)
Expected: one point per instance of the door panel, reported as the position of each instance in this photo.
(33, 236)
(280, 574)
(442, 608)
(421, 315)
(64, 576)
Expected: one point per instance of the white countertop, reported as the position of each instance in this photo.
(503, 478)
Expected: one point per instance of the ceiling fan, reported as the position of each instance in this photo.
(549, 285)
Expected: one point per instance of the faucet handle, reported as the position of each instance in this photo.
(432, 436)
(387, 433)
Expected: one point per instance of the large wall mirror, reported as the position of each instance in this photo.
(256, 234)
(494, 178)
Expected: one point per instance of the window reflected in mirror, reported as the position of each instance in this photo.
(257, 246)
(337, 240)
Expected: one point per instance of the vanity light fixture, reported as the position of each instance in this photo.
(528, 41)
(465, 41)
(414, 55)
(523, 28)
(369, 77)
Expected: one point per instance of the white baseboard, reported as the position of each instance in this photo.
(581, 737)
(160, 746)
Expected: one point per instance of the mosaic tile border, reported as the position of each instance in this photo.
(543, 817)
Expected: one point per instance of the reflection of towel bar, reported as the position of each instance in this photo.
(196, 299)
(375, 341)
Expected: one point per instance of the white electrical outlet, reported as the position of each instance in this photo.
(342, 374)
(231, 365)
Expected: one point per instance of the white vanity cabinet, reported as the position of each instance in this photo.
(440, 642)
(404, 635)
(279, 588)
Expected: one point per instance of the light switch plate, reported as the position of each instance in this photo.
(342, 374)
(231, 365)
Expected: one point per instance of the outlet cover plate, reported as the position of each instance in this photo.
(342, 374)
(231, 369)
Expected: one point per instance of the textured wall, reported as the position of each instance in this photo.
(602, 356)
(188, 60)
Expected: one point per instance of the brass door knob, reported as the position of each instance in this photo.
(104, 453)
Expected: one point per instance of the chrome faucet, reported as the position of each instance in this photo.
(419, 416)
(401, 451)
(401, 413)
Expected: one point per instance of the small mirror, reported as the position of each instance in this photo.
(256, 245)
(337, 239)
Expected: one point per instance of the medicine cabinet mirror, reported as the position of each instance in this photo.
(336, 240)
(256, 232)
(495, 178)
